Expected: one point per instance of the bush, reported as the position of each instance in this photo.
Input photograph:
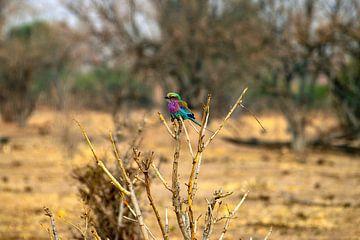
(104, 200)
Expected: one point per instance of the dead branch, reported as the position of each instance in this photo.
(120, 161)
(268, 234)
(231, 215)
(176, 199)
(95, 234)
(237, 103)
(162, 119)
(210, 220)
(120, 217)
(134, 201)
(195, 162)
(144, 167)
(187, 138)
(166, 221)
(158, 174)
(53, 225)
(130, 186)
(101, 164)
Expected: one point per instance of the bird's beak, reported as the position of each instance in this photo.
(166, 97)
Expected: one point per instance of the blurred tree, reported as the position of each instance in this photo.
(60, 55)
(300, 44)
(344, 72)
(195, 47)
(112, 89)
(208, 47)
(27, 55)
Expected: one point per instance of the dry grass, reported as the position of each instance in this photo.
(316, 200)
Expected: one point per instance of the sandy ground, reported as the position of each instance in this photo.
(316, 199)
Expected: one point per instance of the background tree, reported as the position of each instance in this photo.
(300, 41)
(194, 47)
(344, 73)
(26, 57)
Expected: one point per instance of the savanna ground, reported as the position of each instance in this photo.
(316, 199)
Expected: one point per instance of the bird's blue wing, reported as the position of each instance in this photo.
(186, 114)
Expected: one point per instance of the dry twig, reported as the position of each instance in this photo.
(166, 125)
(144, 167)
(196, 160)
(52, 221)
(268, 234)
(187, 138)
(101, 163)
(237, 103)
(158, 174)
(210, 219)
(176, 199)
(130, 186)
(231, 215)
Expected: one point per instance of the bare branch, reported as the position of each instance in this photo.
(166, 221)
(162, 119)
(196, 160)
(95, 234)
(52, 220)
(187, 138)
(120, 161)
(210, 220)
(120, 217)
(113, 179)
(101, 164)
(268, 234)
(176, 199)
(232, 214)
(158, 174)
(144, 167)
(237, 103)
(131, 191)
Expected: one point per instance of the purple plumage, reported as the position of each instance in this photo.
(173, 106)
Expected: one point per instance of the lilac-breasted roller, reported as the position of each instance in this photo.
(179, 108)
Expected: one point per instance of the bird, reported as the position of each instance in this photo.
(179, 108)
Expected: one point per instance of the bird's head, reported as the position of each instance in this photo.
(172, 96)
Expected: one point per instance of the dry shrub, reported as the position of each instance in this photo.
(105, 201)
